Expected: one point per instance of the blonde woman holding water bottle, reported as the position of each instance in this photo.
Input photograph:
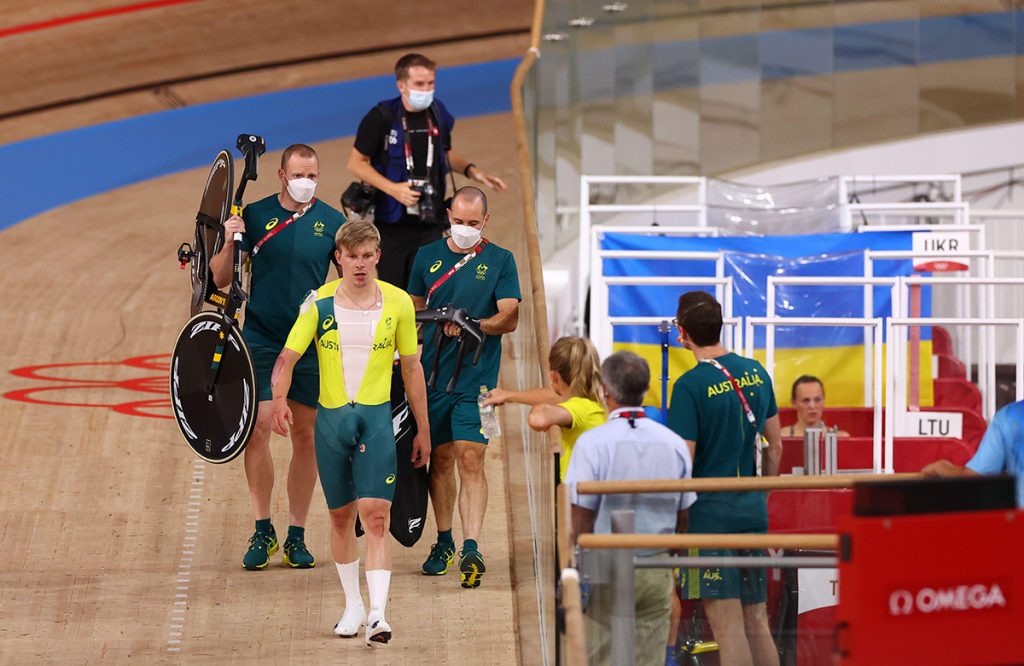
(574, 400)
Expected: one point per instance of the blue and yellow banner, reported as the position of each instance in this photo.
(833, 353)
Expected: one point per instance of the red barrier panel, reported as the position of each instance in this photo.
(859, 421)
(910, 454)
(932, 589)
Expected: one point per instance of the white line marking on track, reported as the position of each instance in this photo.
(184, 574)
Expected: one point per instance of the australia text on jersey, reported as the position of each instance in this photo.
(744, 380)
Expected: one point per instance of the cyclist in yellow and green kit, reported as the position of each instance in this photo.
(357, 323)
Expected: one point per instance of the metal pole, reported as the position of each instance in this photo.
(584, 261)
(623, 586)
(664, 328)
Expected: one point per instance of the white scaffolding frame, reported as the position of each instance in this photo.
(597, 255)
(927, 179)
(896, 392)
(986, 342)
(601, 328)
(698, 209)
(875, 324)
(868, 283)
(957, 208)
(732, 330)
(732, 327)
(965, 345)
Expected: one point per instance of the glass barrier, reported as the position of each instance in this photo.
(694, 87)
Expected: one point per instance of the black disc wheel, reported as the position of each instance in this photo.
(213, 387)
(213, 211)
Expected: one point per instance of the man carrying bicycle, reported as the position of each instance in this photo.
(289, 237)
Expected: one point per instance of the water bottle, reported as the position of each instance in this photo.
(488, 417)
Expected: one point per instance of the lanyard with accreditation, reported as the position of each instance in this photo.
(454, 269)
(632, 415)
(280, 226)
(760, 443)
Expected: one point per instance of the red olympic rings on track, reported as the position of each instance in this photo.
(151, 384)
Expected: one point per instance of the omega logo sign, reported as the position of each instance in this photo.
(959, 598)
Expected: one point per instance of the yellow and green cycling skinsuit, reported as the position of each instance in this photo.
(355, 442)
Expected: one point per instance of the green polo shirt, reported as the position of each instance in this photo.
(287, 267)
(476, 287)
(706, 410)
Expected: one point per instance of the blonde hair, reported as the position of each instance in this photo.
(354, 233)
(577, 363)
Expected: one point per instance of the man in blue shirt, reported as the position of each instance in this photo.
(1001, 451)
(630, 446)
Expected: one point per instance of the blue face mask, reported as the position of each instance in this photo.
(421, 100)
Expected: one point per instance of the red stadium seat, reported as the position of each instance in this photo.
(911, 454)
(950, 367)
(960, 393)
(859, 421)
(942, 343)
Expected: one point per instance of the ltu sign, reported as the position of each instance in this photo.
(960, 598)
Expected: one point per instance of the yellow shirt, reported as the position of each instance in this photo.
(586, 414)
(396, 330)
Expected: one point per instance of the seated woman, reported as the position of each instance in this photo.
(574, 400)
(808, 397)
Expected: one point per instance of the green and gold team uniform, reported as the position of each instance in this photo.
(355, 440)
(284, 270)
(476, 287)
(706, 410)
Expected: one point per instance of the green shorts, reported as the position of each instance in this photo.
(750, 586)
(305, 387)
(355, 453)
(453, 416)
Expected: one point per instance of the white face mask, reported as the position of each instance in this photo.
(420, 100)
(465, 236)
(301, 189)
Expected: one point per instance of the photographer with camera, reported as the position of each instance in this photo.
(402, 154)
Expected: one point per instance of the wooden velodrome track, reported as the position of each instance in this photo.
(124, 547)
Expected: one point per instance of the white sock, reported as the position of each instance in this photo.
(377, 583)
(349, 575)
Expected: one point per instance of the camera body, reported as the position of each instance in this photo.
(426, 207)
(357, 200)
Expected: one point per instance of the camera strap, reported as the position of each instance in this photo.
(432, 132)
(454, 269)
(279, 227)
(447, 158)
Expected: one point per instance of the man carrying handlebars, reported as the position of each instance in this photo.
(468, 273)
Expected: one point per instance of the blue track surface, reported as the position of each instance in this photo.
(50, 171)
(46, 172)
